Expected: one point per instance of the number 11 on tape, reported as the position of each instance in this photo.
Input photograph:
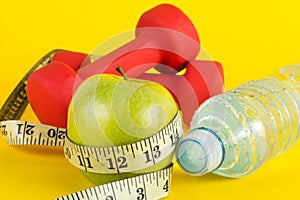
(154, 185)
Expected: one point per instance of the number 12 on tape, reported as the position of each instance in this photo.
(153, 185)
(126, 158)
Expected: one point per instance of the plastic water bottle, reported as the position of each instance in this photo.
(234, 133)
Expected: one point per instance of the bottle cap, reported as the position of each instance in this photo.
(200, 152)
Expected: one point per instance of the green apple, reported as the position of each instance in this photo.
(108, 110)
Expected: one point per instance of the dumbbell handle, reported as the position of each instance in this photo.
(201, 80)
(144, 52)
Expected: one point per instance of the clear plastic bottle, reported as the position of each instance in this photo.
(234, 133)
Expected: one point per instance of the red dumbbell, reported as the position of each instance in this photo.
(71, 58)
(201, 80)
(164, 35)
(49, 89)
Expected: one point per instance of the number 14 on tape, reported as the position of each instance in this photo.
(148, 186)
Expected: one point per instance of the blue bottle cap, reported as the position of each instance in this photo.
(200, 152)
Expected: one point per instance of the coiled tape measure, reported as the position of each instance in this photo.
(108, 160)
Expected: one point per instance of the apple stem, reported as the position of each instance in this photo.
(120, 70)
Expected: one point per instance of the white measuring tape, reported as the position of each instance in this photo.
(126, 158)
(107, 160)
(149, 186)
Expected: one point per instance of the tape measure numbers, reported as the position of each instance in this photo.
(153, 185)
(126, 158)
(118, 159)
(17, 132)
(115, 159)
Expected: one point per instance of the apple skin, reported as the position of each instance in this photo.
(107, 110)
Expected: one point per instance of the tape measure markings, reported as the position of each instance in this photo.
(17, 132)
(15, 102)
(135, 188)
(125, 158)
(119, 159)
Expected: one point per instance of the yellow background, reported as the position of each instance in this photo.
(251, 39)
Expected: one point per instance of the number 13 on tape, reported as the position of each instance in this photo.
(148, 186)
(128, 158)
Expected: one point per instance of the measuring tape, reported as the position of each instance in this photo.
(149, 186)
(108, 160)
